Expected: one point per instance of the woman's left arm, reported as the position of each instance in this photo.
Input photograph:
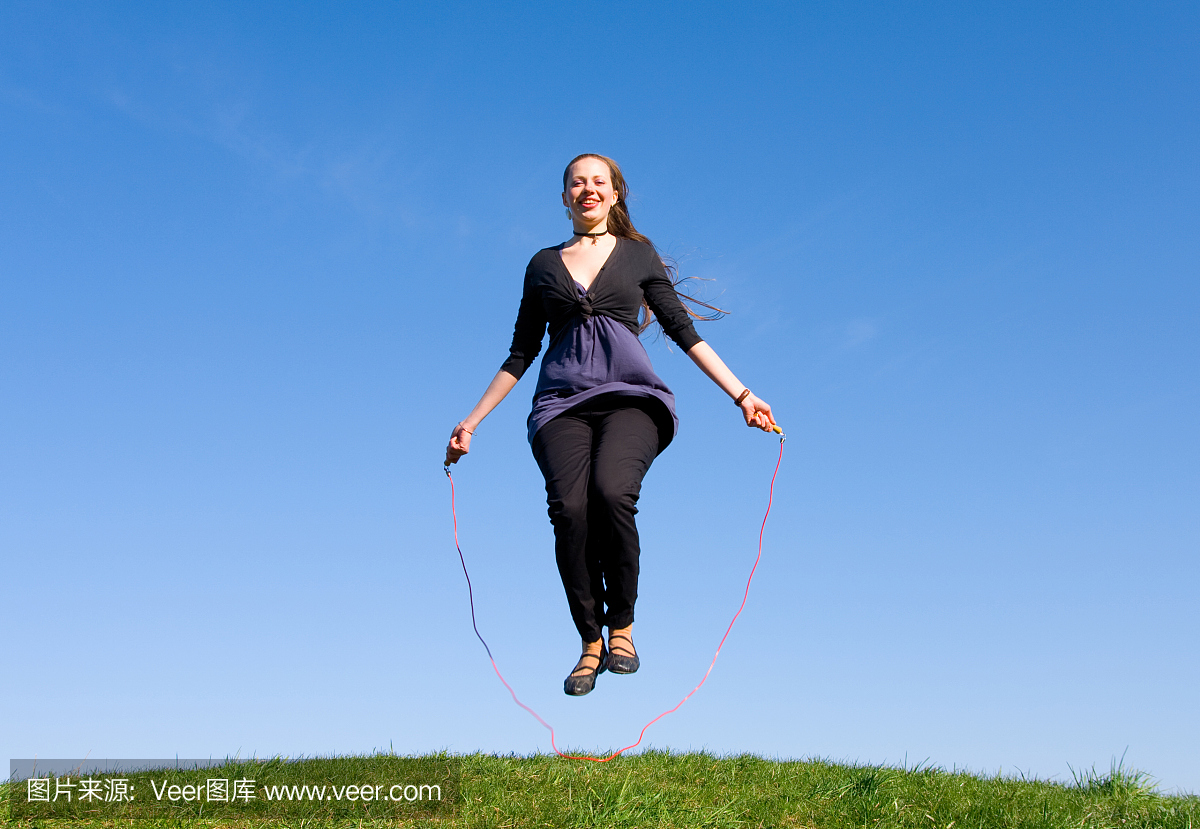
(755, 410)
(667, 307)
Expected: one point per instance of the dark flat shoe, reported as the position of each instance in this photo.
(577, 686)
(623, 663)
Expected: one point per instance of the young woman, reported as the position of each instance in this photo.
(600, 413)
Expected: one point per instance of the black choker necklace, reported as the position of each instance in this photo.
(592, 235)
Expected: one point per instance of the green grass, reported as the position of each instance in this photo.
(700, 790)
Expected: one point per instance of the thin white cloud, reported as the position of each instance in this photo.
(28, 99)
(859, 332)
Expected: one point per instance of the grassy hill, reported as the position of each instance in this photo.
(647, 790)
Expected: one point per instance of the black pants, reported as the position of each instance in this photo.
(593, 462)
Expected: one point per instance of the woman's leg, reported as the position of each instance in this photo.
(624, 446)
(563, 449)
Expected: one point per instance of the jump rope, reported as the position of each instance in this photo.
(534, 714)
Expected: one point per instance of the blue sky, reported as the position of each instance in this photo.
(257, 259)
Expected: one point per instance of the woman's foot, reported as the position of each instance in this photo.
(593, 661)
(622, 658)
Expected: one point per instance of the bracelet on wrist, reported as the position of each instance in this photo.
(465, 429)
(741, 397)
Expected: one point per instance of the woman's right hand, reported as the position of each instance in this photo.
(460, 438)
(460, 444)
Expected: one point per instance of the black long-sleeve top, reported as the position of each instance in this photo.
(594, 347)
(551, 298)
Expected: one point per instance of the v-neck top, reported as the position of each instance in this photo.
(594, 348)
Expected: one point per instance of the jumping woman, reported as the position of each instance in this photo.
(600, 413)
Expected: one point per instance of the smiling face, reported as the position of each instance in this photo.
(590, 194)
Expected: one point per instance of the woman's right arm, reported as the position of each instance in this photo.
(526, 344)
(460, 438)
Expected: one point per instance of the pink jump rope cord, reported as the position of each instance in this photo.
(534, 714)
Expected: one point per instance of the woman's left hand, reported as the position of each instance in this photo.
(757, 412)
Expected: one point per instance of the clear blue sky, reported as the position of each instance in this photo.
(257, 259)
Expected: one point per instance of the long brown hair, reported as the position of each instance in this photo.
(621, 226)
